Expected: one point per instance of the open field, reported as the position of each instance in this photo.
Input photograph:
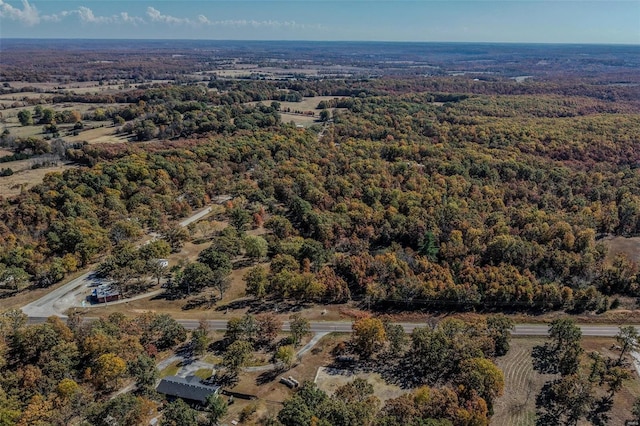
(307, 104)
(98, 135)
(299, 119)
(522, 384)
(329, 379)
(10, 113)
(24, 177)
(518, 404)
(629, 246)
(75, 87)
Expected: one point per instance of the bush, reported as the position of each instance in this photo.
(247, 412)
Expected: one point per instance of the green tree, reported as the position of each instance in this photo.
(124, 230)
(562, 353)
(48, 116)
(220, 267)
(482, 376)
(237, 355)
(285, 355)
(13, 278)
(499, 327)
(178, 413)
(239, 218)
(629, 340)
(216, 408)
(280, 226)
(216, 260)
(429, 247)
(256, 279)
(161, 330)
(154, 250)
(199, 338)
(195, 277)
(314, 251)
(255, 246)
(175, 235)
(564, 401)
(325, 115)
(143, 370)
(25, 118)
(124, 409)
(396, 336)
(299, 327)
(235, 329)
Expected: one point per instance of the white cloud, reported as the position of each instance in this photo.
(263, 24)
(28, 15)
(156, 16)
(125, 17)
(87, 16)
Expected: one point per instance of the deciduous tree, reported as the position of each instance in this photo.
(178, 413)
(216, 408)
(368, 336)
(299, 327)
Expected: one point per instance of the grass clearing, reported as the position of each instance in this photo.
(172, 370)
(330, 379)
(202, 373)
(628, 246)
(212, 359)
(24, 178)
(522, 384)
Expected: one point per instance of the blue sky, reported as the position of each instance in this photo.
(544, 21)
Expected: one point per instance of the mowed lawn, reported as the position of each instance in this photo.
(517, 406)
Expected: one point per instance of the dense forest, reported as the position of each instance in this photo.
(474, 194)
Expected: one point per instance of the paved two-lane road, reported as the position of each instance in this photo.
(345, 327)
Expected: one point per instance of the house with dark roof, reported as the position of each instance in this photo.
(189, 389)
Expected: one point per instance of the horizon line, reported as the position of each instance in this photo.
(327, 41)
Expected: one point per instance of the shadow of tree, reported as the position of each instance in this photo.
(268, 376)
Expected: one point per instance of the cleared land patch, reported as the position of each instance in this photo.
(522, 384)
(25, 177)
(330, 379)
(628, 246)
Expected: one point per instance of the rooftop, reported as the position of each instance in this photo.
(105, 290)
(186, 388)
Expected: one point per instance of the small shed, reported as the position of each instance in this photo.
(189, 389)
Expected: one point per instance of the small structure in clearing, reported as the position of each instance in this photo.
(104, 293)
